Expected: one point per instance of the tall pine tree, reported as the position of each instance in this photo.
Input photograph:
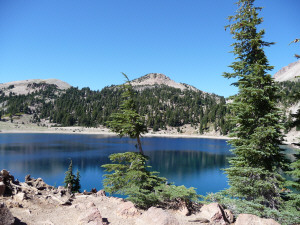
(127, 121)
(253, 173)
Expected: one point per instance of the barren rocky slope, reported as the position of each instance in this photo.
(288, 72)
(28, 86)
(34, 202)
(157, 79)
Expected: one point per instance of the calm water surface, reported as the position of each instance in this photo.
(191, 162)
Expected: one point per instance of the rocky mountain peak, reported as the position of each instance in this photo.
(28, 86)
(288, 73)
(152, 80)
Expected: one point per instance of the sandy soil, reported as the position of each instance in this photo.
(23, 125)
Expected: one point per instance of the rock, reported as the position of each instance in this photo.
(90, 205)
(40, 184)
(37, 183)
(101, 193)
(229, 215)
(248, 219)
(6, 218)
(156, 216)
(27, 178)
(2, 188)
(127, 209)
(200, 220)
(91, 217)
(183, 210)
(20, 197)
(214, 213)
(5, 174)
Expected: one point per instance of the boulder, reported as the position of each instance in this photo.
(214, 213)
(229, 215)
(8, 180)
(2, 188)
(101, 193)
(248, 219)
(6, 218)
(20, 197)
(127, 209)
(183, 210)
(156, 216)
(40, 184)
(91, 217)
(5, 174)
(37, 183)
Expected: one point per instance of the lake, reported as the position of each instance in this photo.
(192, 162)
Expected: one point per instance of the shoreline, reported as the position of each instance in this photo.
(14, 128)
(95, 131)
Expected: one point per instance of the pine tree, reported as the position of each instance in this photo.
(77, 185)
(71, 181)
(253, 173)
(69, 178)
(127, 121)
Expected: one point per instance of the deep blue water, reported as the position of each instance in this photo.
(191, 162)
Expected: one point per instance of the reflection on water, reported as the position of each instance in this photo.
(189, 162)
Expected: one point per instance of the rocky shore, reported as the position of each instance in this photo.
(35, 202)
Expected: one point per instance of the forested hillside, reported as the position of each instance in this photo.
(161, 106)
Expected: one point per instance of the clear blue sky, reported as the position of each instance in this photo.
(89, 43)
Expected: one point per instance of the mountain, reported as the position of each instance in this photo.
(152, 80)
(163, 102)
(24, 87)
(288, 73)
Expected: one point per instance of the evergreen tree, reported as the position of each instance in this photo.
(127, 121)
(71, 181)
(295, 166)
(253, 174)
(77, 185)
(129, 175)
(69, 178)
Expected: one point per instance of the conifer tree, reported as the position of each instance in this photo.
(127, 121)
(295, 166)
(253, 173)
(69, 178)
(77, 185)
(71, 181)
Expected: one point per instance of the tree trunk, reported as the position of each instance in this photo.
(140, 145)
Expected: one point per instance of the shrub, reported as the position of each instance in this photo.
(130, 176)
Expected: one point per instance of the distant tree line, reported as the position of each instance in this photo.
(161, 106)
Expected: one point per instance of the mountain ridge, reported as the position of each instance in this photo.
(28, 86)
(288, 73)
(151, 80)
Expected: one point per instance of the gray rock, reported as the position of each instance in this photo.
(6, 218)
(156, 216)
(2, 188)
(91, 217)
(229, 215)
(214, 213)
(248, 219)
(101, 193)
(5, 174)
(20, 197)
(127, 209)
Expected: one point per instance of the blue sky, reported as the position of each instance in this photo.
(89, 43)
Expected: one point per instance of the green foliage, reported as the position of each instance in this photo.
(131, 176)
(72, 180)
(253, 174)
(77, 185)
(127, 121)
